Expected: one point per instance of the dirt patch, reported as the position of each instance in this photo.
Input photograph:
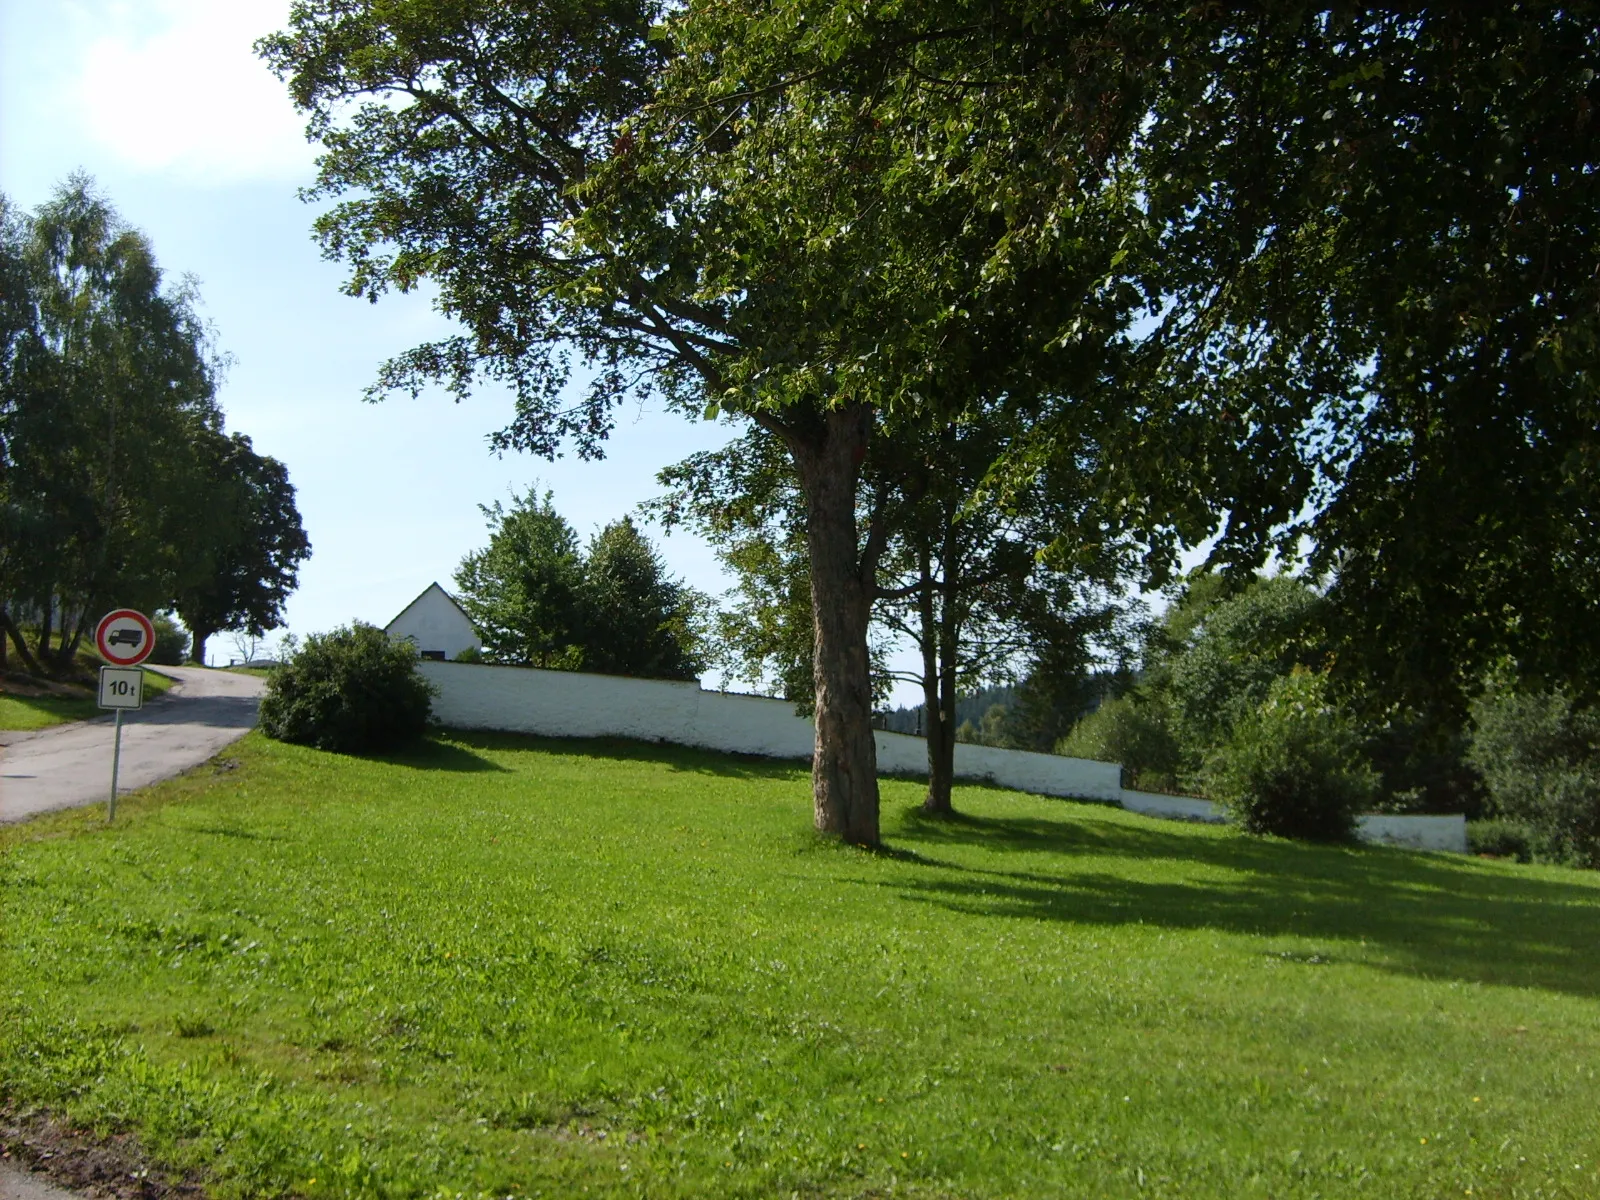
(111, 1166)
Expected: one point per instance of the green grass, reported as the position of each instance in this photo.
(18, 713)
(505, 967)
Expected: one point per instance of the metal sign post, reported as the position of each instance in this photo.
(116, 762)
(124, 637)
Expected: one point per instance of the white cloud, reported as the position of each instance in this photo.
(174, 86)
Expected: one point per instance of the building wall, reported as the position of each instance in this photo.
(1445, 832)
(575, 704)
(436, 625)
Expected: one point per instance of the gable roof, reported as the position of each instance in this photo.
(432, 587)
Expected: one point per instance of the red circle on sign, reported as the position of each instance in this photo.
(125, 637)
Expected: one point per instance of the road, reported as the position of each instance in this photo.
(19, 1184)
(69, 765)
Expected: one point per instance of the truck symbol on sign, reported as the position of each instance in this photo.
(125, 637)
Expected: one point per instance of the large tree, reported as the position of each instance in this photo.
(966, 584)
(524, 590)
(784, 219)
(537, 599)
(118, 485)
(244, 544)
(819, 216)
(111, 387)
(638, 619)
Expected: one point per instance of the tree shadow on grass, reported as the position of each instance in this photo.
(1425, 914)
(433, 754)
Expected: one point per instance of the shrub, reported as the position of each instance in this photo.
(1293, 766)
(1539, 754)
(351, 690)
(1135, 731)
(172, 642)
(1503, 839)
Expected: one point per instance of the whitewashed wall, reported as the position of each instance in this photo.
(574, 704)
(1447, 832)
(1444, 832)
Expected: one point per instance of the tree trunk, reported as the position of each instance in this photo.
(949, 647)
(45, 623)
(197, 647)
(68, 649)
(8, 628)
(844, 764)
(940, 736)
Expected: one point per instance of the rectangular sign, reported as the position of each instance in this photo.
(121, 687)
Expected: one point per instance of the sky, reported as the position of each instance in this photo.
(195, 142)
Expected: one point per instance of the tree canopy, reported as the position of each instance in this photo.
(538, 599)
(118, 484)
(1254, 255)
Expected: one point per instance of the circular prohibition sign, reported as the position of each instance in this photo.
(125, 637)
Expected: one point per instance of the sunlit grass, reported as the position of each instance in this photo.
(21, 713)
(507, 967)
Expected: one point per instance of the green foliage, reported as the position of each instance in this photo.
(449, 972)
(1539, 754)
(637, 620)
(117, 482)
(105, 347)
(41, 712)
(524, 590)
(1135, 730)
(991, 729)
(350, 691)
(1293, 766)
(538, 600)
(1501, 839)
(171, 642)
(1237, 646)
(245, 544)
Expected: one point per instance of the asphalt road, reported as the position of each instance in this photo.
(19, 1184)
(69, 765)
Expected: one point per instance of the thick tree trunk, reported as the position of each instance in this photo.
(844, 765)
(46, 622)
(940, 734)
(197, 645)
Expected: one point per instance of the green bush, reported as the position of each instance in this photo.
(1539, 755)
(1293, 766)
(1135, 731)
(1503, 839)
(172, 642)
(350, 691)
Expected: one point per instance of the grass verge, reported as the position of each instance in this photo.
(504, 967)
(22, 713)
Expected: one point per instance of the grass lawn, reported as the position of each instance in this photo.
(507, 967)
(38, 712)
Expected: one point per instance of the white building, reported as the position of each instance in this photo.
(435, 622)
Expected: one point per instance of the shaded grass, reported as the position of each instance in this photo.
(503, 966)
(21, 713)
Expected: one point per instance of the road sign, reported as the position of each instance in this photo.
(121, 687)
(125, 637)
